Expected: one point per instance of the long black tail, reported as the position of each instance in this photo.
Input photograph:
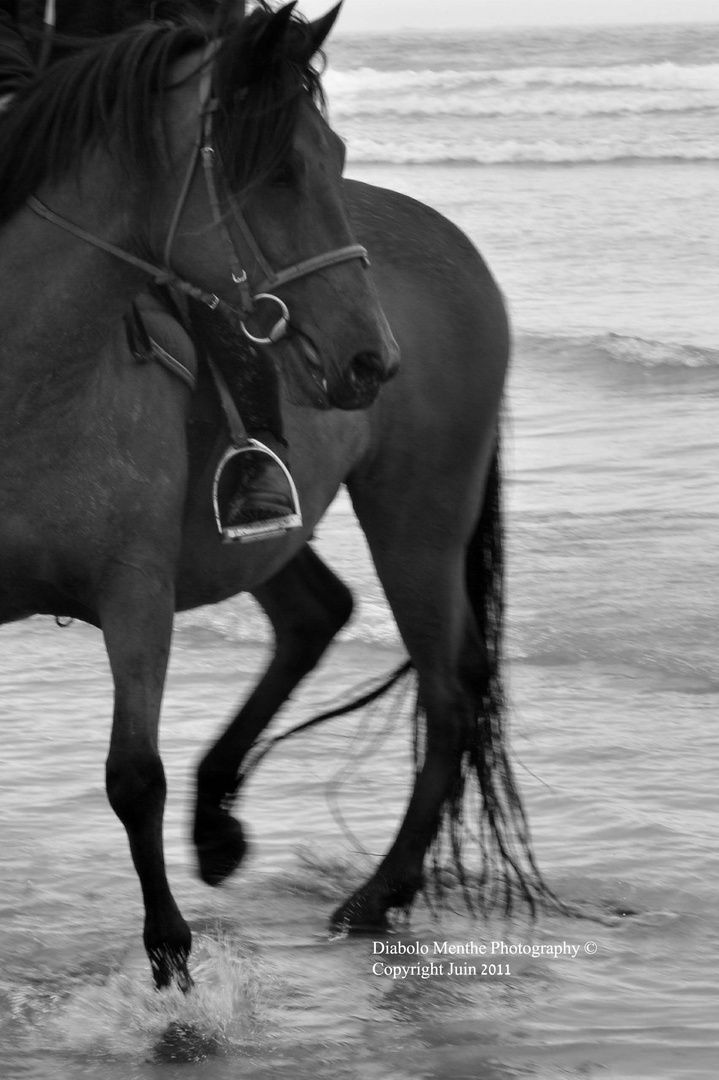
(508, 868)
(372, 694)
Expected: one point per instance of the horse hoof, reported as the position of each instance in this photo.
(168, 945)
(359, 917)
(340, 926)
(220, 856)
(366, 910)
(184, 1042)
(169, 968)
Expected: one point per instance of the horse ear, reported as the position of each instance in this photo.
(319, 30)
(276, 28)
(267, 41)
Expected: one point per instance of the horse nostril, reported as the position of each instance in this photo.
(369, 367)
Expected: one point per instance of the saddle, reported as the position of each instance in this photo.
(155, 331)
(153, 334)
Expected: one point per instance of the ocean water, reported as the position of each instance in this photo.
(585, 166)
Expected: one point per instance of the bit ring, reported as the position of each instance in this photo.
(279, 330)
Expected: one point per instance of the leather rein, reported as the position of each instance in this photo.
(203, 150)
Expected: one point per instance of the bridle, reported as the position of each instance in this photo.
(203, 150)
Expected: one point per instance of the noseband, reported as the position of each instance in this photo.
(204, 150)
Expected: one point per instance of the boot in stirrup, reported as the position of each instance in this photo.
(254, 497)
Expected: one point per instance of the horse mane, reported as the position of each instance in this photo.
(265, 98)
(108, 94)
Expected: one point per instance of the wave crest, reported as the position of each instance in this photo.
(415, 106)
(417, 151)
(621, 348)
(358, 82)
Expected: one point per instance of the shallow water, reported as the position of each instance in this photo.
(623, 830)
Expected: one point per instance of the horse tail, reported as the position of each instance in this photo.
(508, 866)
(372, 693)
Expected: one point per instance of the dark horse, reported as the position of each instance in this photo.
(104, 520)
(93, 452)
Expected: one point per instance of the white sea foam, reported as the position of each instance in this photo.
(126, 1018)
(473, 102)
(654, 354)
(553, 115)
(667, 76)
(598, 348)
(421, 151)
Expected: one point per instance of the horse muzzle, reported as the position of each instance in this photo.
(360, 384)
(319, 383)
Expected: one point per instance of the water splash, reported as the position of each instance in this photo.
(125, 1017)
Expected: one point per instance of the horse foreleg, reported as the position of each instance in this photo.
(136, 617)
(307, 606)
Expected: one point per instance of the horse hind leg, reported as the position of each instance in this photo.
(447, 601)
(447, 708)
(307, 606)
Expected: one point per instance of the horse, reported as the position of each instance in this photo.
(102, 192)
(422, 467)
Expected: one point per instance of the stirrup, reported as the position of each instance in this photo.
(255, 530)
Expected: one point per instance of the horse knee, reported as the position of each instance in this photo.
(301, 642)
(136, 787)
(305, 645)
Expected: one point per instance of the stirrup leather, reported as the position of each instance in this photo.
(255, 530)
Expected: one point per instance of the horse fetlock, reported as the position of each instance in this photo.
(221, 846)
(169, 967)
(168, 949)
(215, 782)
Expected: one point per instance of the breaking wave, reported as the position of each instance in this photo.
(666, 76)
(551, 115)
(622, 349)
(421, 151)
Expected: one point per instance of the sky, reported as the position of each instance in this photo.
(465, 14)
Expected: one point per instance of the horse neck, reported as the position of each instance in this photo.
(60, 296)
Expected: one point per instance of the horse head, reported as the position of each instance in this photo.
(258, 211)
